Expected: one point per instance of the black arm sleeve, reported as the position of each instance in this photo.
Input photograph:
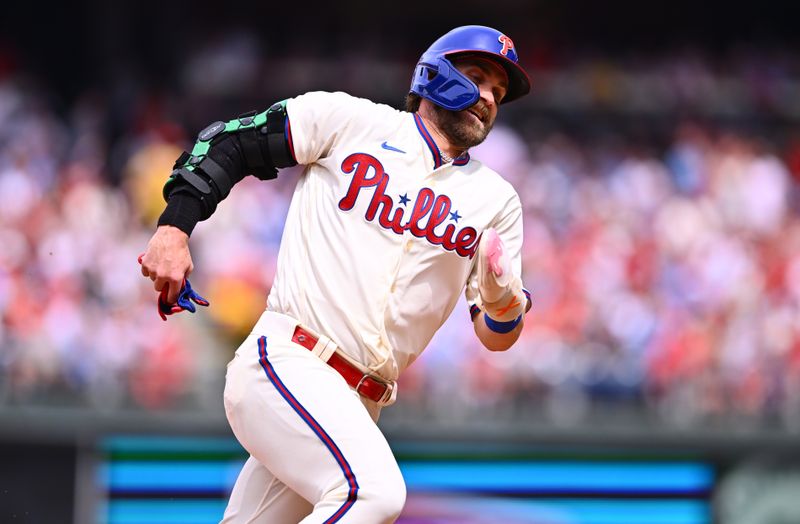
(183, 211)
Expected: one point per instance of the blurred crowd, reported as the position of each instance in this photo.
(665, 273)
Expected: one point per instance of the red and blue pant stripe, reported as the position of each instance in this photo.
(273, 377)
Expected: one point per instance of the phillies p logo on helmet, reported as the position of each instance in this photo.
(508, 45)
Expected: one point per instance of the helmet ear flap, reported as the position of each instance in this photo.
(439, 81)
(424, 73)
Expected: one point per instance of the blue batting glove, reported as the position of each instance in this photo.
(187, 299)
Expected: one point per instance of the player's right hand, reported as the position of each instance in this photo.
(167, 260)
(501, 292)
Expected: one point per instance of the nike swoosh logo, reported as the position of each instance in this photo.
(390, 148)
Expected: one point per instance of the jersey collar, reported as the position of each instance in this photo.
(461, 160)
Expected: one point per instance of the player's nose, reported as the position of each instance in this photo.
(487, 95)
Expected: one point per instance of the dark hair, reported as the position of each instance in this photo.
(412, 102)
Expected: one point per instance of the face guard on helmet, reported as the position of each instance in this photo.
(438, 80)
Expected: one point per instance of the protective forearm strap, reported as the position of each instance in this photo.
(224, 153)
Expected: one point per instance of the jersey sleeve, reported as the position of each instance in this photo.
(508, 225)
(319, 120)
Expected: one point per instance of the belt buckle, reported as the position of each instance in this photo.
(387, 393)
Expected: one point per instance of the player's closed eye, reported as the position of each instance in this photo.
(479, 77)
(476, 78)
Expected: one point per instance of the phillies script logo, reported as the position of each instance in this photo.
(508, 45)
(368, 172)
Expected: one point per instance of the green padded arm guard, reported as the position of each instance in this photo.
(224, 153)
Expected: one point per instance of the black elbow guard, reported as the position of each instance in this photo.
(266, 141)
(225, 152)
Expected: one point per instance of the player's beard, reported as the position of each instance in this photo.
(461, 128)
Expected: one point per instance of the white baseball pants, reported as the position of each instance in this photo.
(316, 454)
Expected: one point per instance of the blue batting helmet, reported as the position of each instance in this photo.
(438, 80)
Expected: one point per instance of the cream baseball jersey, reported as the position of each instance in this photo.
(381, 235)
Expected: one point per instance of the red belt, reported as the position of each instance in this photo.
(365, 385)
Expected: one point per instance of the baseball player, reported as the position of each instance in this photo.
(389, 223)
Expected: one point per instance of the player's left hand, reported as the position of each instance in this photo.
(501, 292)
